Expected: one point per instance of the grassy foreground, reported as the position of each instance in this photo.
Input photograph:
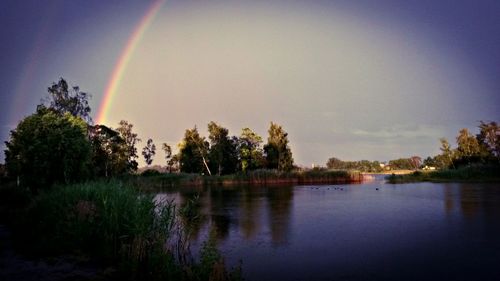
(464, 174)
(114, 224)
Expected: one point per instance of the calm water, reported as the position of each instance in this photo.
(417, 231)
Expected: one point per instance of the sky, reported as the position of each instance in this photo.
(374, 80)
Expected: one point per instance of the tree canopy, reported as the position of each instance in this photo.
(278, 153)
(250, 151)
(63, 99)
(193, 151)
(223, 156)
(47, 148)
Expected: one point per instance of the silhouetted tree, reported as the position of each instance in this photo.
(149, 152)
(109, 151)
(63, 99)
(168, 155)
(193, 151)
(223, 155)
(131, 139)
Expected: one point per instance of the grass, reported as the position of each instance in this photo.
(477, 173)
(261, 176)
(113, 223)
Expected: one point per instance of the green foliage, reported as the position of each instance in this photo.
(473, 173)
(468, 146)
(121, 227)
(278, 153)
(362, 166)
(46, 148)
(401, 164)
(489, 139)
(223, 156)
(149, 152)
(106, 220)
(193, 153)
(250, 151)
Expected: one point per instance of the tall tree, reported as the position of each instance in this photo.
(47, 148)
(278, 153)
(249, 150)
(63, 99)
(131, 139)
(149, 151)
(168, 155)
(193, 151)
(109, 151)
(489, 138)
(447, 154)
(223, 156)
(468, 147)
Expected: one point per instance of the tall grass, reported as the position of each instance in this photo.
(258, 177)
(114, 223)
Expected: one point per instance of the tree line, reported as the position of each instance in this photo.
(480, 149)
(411, 163)
(60, 144)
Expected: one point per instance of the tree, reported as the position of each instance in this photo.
(168, 155)
(249, 150)
(468, 145)
(149, 152)
(193, 151)
(335, 163)
(416, 162)
(489, 138)
(223, 154)
(109, 151)
(447, 154)
(401, 163)
(62, 100)
(47, 148)
(131, 139)
(278, 154)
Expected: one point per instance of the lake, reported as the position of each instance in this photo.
(368, 231)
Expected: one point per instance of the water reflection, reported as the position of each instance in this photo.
(247, 209)
(328, 233)
(221, 204)
(249, 213)
(473, 200)
(279, 201)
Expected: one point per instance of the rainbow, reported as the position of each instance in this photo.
(124, 58)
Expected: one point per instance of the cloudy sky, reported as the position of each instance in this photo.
(373, 80)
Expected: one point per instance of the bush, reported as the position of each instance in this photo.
(117, 224)
(107, 221)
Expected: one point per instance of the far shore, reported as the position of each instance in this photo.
(396, 172)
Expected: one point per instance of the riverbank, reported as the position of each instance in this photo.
(257, 177)
(103, 230)
(464, 174)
